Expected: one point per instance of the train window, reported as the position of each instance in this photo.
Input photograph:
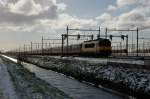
(89, 45)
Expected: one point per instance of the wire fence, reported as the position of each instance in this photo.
(122, 50)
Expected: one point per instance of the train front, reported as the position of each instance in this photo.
(99, 47)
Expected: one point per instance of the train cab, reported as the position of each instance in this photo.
(98, 47)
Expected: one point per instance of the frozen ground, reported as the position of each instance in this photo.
(137, 81)
(103, 60)
(25, 84)
(74, 88)
(6, 86)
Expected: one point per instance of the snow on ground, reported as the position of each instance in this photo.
(72, 87)
(6, 86)
(102, 60)
(27, 85)
(12, 59)
(133, 78)
(106, 60)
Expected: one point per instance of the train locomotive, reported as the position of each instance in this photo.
(98, 47)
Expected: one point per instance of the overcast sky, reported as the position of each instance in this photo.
(22, 21)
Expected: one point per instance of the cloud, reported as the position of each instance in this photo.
(62, 6)
(106, 20)
(3, 2)
(144, 2)
(132, 16)
(111, 8)
(122, 3)
(67, 20)
(27, 15)
(138, 16)
(30, 14)
(27, 12)
(26, 7)
(104, 17)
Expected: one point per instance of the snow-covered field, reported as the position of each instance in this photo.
(72, 87)
(103, 60)
(7, 90)
(136, 80)
(19, 83)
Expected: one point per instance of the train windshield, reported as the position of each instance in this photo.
(104, 43)
(89, 45)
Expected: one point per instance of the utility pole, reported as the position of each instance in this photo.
(67, 40)
(106, 33)
(132, 42)
(24, 49)
(137, 41)
(143, 48)
(62, 49)
(31, 47)
(127, 44)
(99, 33)
(38, 46)
(42, 45)
(121, 48)
(46, 45)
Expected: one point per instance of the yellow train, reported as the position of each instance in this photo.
(97, 47)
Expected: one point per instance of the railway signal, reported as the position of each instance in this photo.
(78, 37)
(122, 37)
(110, 37)
(92, 37)
(64, 36)
(136, 30)
(98, 36)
